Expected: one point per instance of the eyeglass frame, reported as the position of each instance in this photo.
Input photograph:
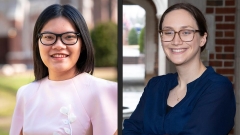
(57, 35)
(160, 31)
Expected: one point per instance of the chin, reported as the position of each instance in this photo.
(178, 63)
(59, 69)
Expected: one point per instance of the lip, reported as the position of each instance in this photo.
(59, 55)
(178, 50)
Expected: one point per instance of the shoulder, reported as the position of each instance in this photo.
(219, 80)
(101, 82)
(160, 84)
(101, 93)
(215, 77)
(215, 82)
(162, 79)
(95, 85)
(27, 91)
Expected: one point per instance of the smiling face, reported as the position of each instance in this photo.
(60, 58)
(177, 51)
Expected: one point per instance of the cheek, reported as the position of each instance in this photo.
(76, 51)
(41, 50)
(79, 49)
(164, 46)
(43, 53)
(198, 41)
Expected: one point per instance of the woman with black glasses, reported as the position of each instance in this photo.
(195, 100)
(64, 98)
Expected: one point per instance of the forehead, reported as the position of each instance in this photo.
(178, 19)
(58, 25)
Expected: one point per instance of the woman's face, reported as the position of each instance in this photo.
(178, 51)
(59, 57)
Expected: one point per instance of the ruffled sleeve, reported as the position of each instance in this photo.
(102, 106)
(104, 116)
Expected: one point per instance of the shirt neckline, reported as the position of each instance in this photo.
(65, 81)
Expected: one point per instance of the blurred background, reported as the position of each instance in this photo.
(143, 57)
(17, 20)
(134, 17)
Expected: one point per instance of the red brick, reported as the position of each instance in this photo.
(219, 34)
(225, 26)
(225, 71)
(219, 18)
(215, 3)
(225, 56)
(229, 18)
(228, 64)
(215, 63)
(218, 48)
(229, 49)
(212, 56)
(225, 10)
(209, 10)
(229, 33)
(229, 3)
(225, 41)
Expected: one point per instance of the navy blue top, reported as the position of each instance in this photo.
(207, 109)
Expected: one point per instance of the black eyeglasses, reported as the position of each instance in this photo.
(185, 35)
(67, 38)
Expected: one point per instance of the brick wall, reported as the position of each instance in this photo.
(222, 59)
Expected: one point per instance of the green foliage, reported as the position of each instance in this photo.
(7, 103)
(141, 40)
(133, 37)
(13, 83)
(3, 132)
(104, 37)
(8, 88)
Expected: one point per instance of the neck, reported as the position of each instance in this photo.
(190, 72)
(65, 75)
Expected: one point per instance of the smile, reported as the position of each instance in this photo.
(178, 50)
(59, 55)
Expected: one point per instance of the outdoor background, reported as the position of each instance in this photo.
(17, 19)
(133, 56)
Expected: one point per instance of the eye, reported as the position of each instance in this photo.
(186, 32)
(168, 32)
(69, 36)
(48, 36)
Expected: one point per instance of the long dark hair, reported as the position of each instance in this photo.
(195, 12)
(85, 61)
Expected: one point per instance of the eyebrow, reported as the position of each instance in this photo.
(54, 32)
(169, 27)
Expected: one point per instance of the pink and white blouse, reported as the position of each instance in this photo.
(83, 105)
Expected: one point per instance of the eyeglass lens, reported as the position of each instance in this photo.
(185, 35)
(67, 38)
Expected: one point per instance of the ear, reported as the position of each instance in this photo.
(204, 39)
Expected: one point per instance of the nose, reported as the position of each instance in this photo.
(176, 40)
(58, 44)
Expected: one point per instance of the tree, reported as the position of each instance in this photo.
(141, 40)
(132, 37)
(104, 37)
